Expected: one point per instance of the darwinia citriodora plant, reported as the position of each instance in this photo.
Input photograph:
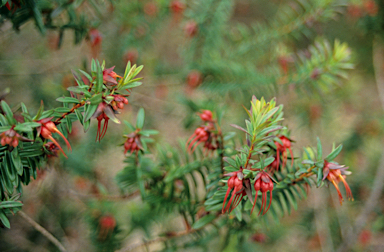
(234, 175)
(261, 164)
(28, 141)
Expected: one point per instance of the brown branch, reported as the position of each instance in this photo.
(249, 155)
(58, 120)
(374, 197)
(43, 231)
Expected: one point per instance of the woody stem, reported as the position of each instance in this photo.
(58, 120)
(249, 156)
(43, 231)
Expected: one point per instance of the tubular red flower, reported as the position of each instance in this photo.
(263, 183)
(335, 173)
(206, 116)
(109, 76)
(47, 128)
(235, 182)
(282, 150)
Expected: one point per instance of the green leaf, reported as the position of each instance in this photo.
(4, 219)
(96, 99)
(78, 79)
(149, 132)
(319, 150)
(203, 221)
(17, 162)
(93, 66)
(99, 78)
(8, 113)
(79, 90)
(319, 176)
(140, 118)
(130, 126)
(68, 99)
(86, 75)
(27, 126)
(10, 204)
(62, 110)
(4, 128)
(79, 116)
(89, 111)
(86, 125)
(334, 153)
(39, 112)
(131, 85)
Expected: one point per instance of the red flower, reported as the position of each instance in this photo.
(235, 182)
(52, 148)
(194, 78)
(282, 150)
(150, 9)
(191, 28)
(206, 116)
(131, 55)
(95, 38)
(201, 135)
(11, 137)
(109, 76)
(263, 183)
(107, 224)
(274, 166)
(100, 115)
(47, 128)
(336, 173)
(118, 102)
(371, 7)
(177, 6)
(133, 143)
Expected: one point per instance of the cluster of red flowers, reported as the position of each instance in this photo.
(204, 134)
(368, 7)
(118, 102)
(105, 111)
(133, 143)
(241, 187)
(281, 154)
(47, 128)
(11, 137)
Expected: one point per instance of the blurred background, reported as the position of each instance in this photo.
(212, 54)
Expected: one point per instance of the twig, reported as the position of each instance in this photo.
(43, 231)
(373, 199)
(58, 120)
